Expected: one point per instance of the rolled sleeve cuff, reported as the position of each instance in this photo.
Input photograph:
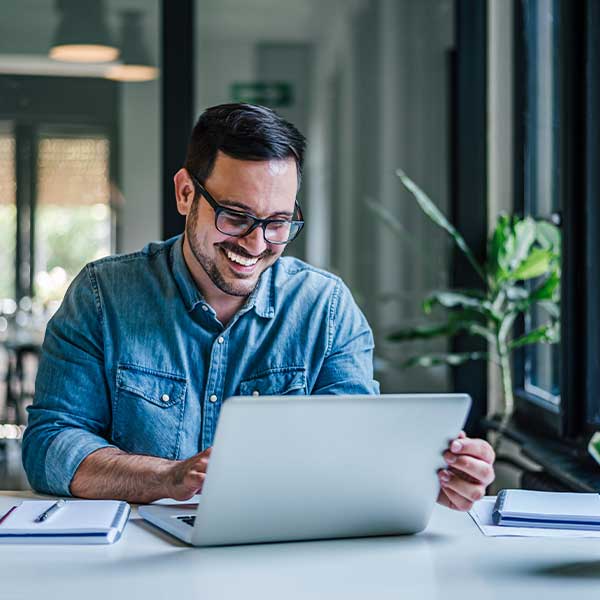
(66, 453)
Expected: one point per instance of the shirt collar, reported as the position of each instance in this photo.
(262, 299)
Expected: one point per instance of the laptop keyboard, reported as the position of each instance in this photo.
(188, 520)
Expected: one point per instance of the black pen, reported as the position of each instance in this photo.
(50, 511)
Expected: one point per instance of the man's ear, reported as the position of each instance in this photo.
(184, 191)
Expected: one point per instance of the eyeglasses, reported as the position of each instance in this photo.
(240, 224)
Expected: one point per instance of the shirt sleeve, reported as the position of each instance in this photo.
(70, 415)
(348, 364)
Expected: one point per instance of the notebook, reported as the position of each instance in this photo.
(77, 522)
(555, 510)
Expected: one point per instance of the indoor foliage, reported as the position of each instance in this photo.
(522, 271)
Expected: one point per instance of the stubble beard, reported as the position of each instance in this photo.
(208, 264)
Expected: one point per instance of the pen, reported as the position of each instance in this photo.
(50, 511)
(6, 515)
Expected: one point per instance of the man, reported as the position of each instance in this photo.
(146, 347)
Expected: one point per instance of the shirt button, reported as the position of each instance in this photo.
(256, 393)
(213, 398)
(204, 307)
(165, 397)
(221, 340)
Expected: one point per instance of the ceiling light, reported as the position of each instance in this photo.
(135, 58)
(82, 34)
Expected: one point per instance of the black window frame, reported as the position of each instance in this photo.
(579, 188)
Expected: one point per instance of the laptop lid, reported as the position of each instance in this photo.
(316, 467)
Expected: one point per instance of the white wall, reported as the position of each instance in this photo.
(226, 55)
(500, 137)
(409, 122)
(140, 143)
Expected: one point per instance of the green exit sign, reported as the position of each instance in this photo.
(276, 94)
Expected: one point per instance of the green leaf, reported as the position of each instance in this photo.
(422, 332)
(455, 359)
(525, 231)
(548, 237)
(500, 245)
(547, 334)
(388, 218)
(551, 308)
(467, 321)
(547, 289)
(516, 292)
(434, 213)
(459, 300)
(535, 265)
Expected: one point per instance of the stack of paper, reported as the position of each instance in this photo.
(558, 510)
(482, 511)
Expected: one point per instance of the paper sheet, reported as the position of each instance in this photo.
(481, 513)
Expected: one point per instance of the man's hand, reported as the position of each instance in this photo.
(186, 477)
(469, 472)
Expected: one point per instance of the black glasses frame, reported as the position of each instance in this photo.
(262, 223)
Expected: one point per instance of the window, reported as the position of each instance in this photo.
(56, 168)
(541, 194)
(557, 113)
(73, 214)
(8, 212)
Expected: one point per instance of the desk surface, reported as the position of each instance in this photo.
(451, 559)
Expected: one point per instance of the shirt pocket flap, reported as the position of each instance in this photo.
(159, 388)
(275, 382)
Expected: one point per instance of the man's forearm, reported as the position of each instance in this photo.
(111, 473)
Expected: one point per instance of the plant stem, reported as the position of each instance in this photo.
(507, 386)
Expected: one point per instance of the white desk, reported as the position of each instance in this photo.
(451, 560)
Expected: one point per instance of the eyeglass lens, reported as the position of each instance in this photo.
(235, 224)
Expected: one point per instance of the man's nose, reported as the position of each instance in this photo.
(254, 243)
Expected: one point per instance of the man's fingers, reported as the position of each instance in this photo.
(473, 447)
(466, 489)
(479, 470)
(195, 476)
(454, 500)
(197, 463)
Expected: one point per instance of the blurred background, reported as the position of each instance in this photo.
(97, 100)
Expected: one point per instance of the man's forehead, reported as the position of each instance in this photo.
(274, 167)
(255, 186)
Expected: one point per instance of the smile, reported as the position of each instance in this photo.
(241, 260)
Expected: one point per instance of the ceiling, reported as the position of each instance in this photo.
(27, 27)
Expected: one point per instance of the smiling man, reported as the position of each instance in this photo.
(146, 347)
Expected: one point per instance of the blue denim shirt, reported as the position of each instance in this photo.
(135, 358)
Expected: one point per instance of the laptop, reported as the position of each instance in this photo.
(318, 467)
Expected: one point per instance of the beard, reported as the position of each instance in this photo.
(238, 284)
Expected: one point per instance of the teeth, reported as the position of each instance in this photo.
(247, 262)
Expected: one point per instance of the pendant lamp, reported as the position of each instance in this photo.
(82, 34)
(135, 58)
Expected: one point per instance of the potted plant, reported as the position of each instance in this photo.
(522, 270)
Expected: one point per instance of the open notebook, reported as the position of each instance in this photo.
(78, 522)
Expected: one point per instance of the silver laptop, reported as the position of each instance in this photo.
(315, 467)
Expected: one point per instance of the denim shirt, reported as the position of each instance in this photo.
(136, 359)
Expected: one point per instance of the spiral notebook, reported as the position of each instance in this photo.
(77, 522)
(554, 510)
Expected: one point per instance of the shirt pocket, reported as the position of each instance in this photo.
(278, 381)
(148, 411)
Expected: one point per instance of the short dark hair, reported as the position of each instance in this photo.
(245, 132)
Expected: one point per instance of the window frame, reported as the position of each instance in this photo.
(579, 185)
